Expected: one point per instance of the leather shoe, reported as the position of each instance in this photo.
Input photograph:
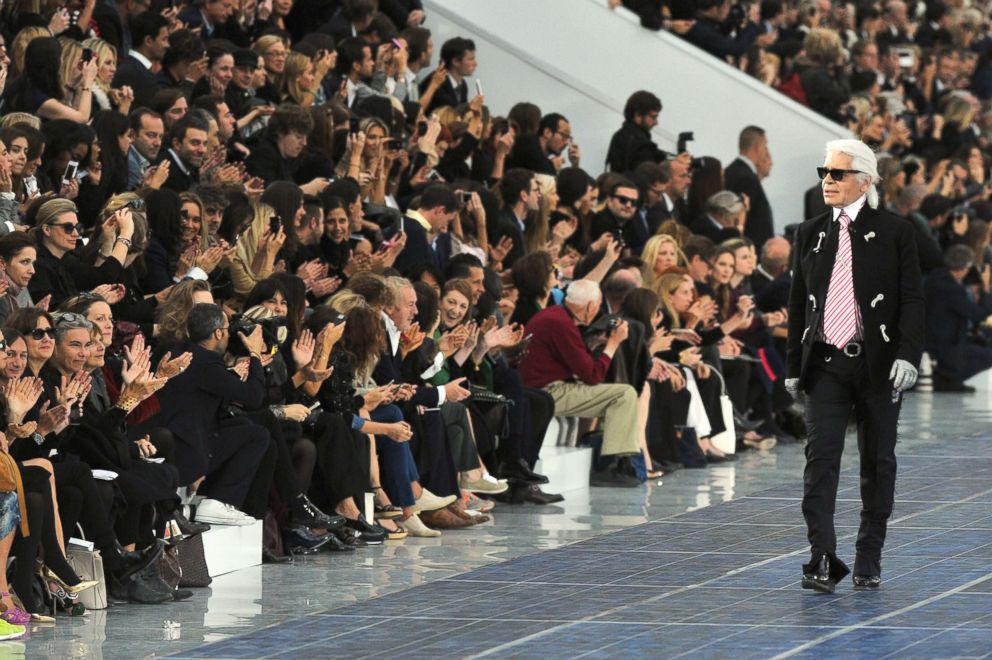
(519, 471)
(188, 527)
(305, 513)
(181, 594)
(443, 519)
(269, 557)
(335, 544)
(867, 582)
(816, 576)
(371, 534)
(300, 540)
(613, 477)
(535, 495)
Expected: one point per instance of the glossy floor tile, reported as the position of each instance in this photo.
(701, 563)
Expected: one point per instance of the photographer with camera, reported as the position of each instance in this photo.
(727, 30)
(217, 454)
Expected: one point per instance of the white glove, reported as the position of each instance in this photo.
(903, 375)
(792, 387)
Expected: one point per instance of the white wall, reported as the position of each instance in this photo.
(580, 59)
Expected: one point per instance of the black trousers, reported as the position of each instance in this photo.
(836, 385)
(236, 451)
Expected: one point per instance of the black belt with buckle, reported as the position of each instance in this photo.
(852, 349)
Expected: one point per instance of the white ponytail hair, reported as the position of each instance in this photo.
(862, 159)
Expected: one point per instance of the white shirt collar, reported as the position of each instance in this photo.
(147, 63)
(748, 162)
(853, 209)
(352, 89)
(392, 332)
(669, 204)
(179, 162)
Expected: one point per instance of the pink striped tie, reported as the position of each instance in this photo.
(840, 317)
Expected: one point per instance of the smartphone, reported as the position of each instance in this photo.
(397, 44)
(401, 223)
(433, 176)
(466, 196)
(70, 171)
(478, 87)
(30, 186)
(353, 124)
(87, 55)
(315, 406)
(392, 144)
(274, 223)
(339, 319)
(906, 57)
(422, 129)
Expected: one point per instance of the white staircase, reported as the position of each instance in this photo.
(567, 468)
(579, 58)
(229, 548)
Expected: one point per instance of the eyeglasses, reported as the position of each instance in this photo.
(835, 174)
(626, 201)
(70, 227)
(39, 333)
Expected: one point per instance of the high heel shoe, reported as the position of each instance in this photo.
(71, 590)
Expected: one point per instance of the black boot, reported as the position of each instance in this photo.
(303, 513)
(146, 586)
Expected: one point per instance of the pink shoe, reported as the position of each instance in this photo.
(14, 615)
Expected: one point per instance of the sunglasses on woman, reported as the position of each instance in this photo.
(39, 333)
(70, 227)
(835, 173)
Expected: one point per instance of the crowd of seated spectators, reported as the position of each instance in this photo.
(261, 259)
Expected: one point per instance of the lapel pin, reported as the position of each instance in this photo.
(803, 340)
(870, 235)
(812, 299)
(884, 336)
(877, 299)
(820, 241)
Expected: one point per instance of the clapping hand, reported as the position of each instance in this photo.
(303, 348)
(170, 368)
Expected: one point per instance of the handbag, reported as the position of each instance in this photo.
(88, 564)
(727, 440)
(192, 563)
(168, 566)
(10, 481)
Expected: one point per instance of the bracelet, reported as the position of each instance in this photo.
(86, 89)
(128, 403)
(125, 241)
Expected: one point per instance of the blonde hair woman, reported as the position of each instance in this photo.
(299, 80)
(106, 58)
(255, 252)
(660, 254)
(536, 233)
(275, 53)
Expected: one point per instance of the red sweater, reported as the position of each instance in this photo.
(557, 352)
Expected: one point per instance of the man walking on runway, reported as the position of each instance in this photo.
(856, 328)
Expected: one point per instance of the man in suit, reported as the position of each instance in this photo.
(950, 314)
(458, 58)
(725, 213)
(520, 194)
(226, 450)
(652, 179)
(744, 175)
(773, 262)
(709, 31)
(351, 20)
(856, 327)
(426, 228)
(150, 40)
(213, 17)
(542, 152)
(187, 151)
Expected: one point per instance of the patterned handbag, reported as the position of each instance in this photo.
(192, 563)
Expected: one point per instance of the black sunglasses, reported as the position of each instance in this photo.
(38, 333)
(623, 199)
(835, 174)
(70, 227)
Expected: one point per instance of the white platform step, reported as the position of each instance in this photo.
(230, 548)
(567, 468)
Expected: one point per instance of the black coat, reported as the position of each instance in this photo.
(950, 314)
(740, 178)
(178, 180)
(887, 284)
(633, 232)
(527, 153)
(506, 225)
(446, 94)
(133, 73)
(630, 146)
(192, 402)
(266, 162)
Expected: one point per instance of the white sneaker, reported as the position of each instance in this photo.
(414, 526)
(486, 485)
(218, 513)
(428, 501)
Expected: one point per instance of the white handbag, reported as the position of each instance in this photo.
(88, 564)
(727, 440)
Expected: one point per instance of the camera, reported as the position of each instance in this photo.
(246, 326)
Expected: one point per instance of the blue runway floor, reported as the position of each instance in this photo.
(716, 582)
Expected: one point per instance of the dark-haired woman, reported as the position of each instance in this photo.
(114, 135)
(39, 92)
(17, 257)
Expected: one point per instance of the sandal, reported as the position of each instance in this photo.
(13, 614)
(387, 510)
(393, 531)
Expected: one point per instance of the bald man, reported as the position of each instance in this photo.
(774, 262)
